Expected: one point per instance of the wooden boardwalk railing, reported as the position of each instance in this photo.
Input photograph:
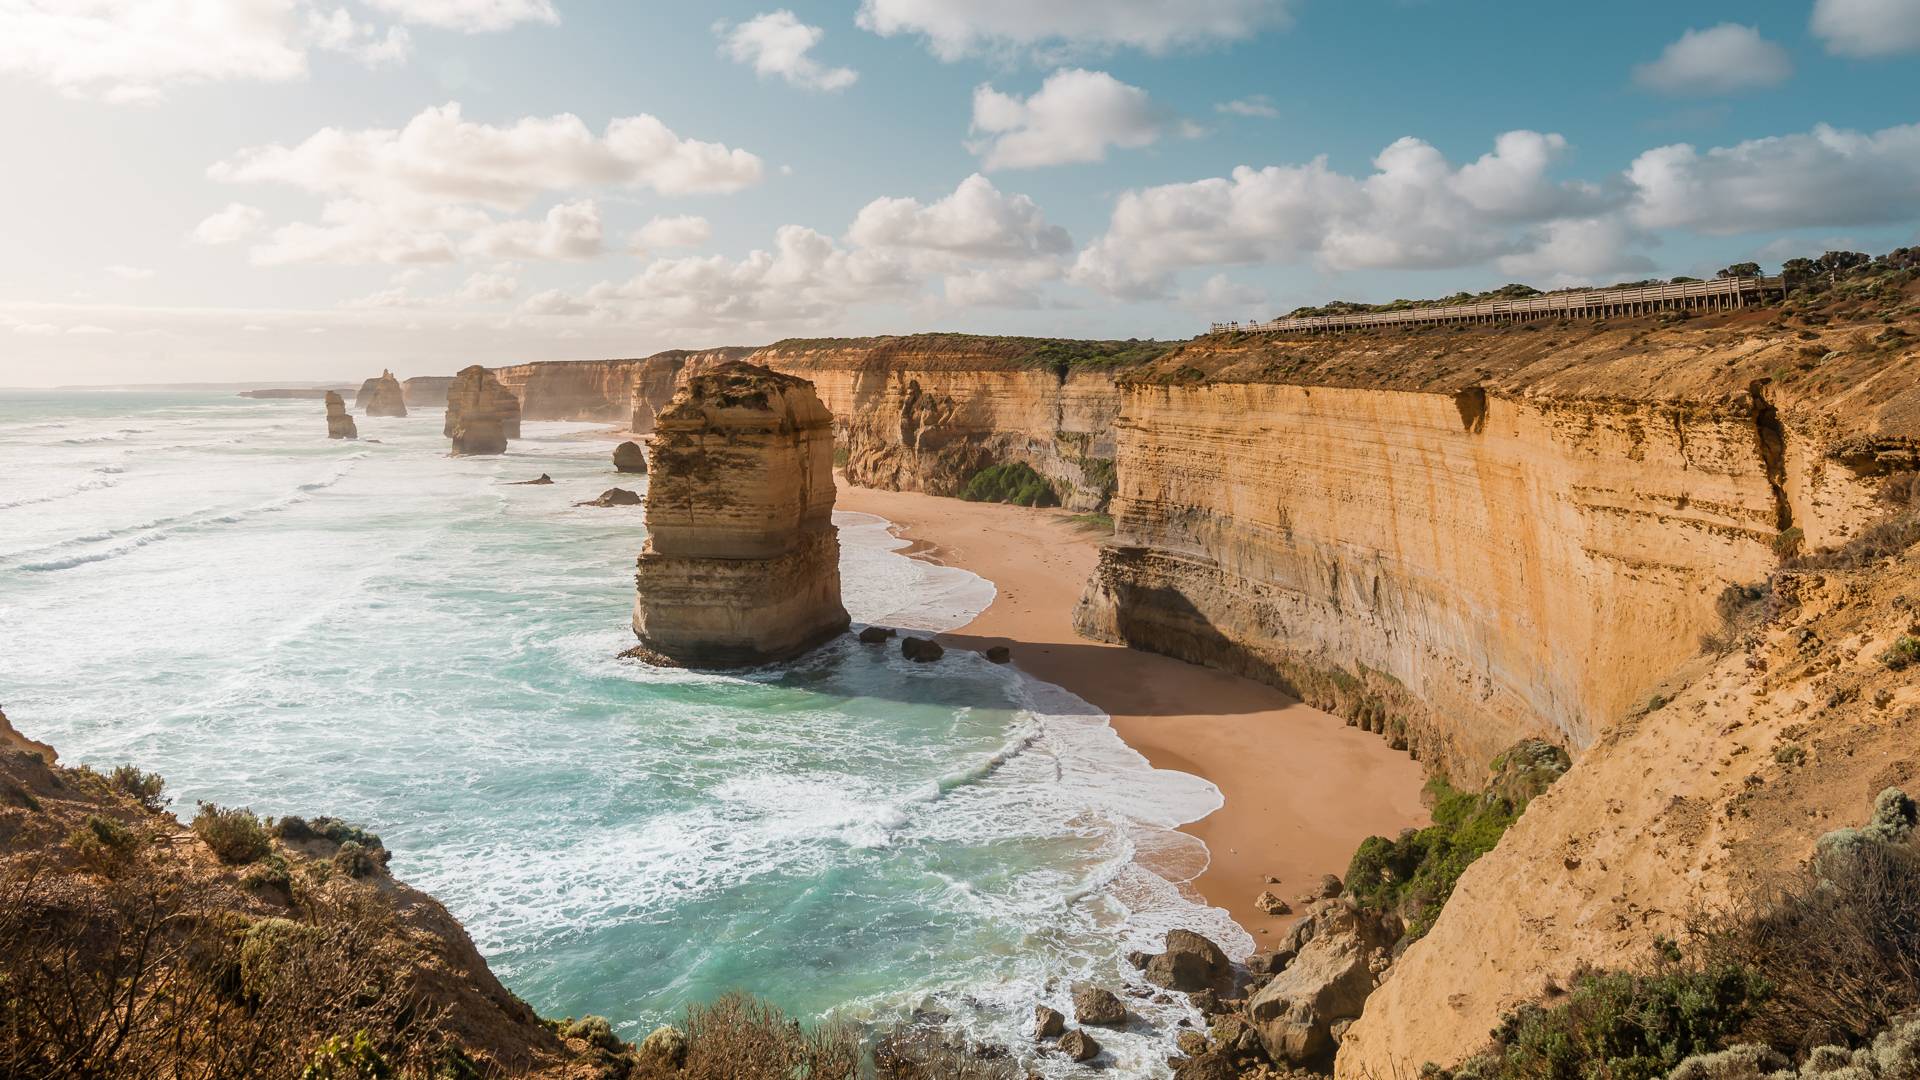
(1717, 295)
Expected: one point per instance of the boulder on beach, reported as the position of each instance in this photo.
(876, 635)
(613, 497)
(1079, 1045)
(1000, 654)
(1190, 963)
(339, 424)
(1097, 1005)
(1327, 981)
(629, 458)
(1272, 904)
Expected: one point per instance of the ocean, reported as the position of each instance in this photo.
(208, 587)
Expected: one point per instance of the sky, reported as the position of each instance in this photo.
(318, 189)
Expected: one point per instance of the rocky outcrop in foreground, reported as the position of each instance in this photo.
(339, 424)
(381, 396)
(742, 560)
(481, 414)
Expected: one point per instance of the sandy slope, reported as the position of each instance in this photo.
(1302, 789)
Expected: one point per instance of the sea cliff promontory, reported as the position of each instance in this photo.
(381, 396)
(741, 563)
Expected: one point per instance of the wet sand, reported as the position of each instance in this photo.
(1302, 788)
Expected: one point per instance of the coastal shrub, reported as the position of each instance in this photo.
(1621, 1026)
(103, 844)
(354, 860)
(1902, 653)
(235, 834)
(594, 1030)
(271, 872)
(355, 1058)
(294, 830)
(1413, 876)
(1013, 482)
(739, 1037)
(143, 786)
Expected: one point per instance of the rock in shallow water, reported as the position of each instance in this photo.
(381, 396)
(1000, 654)
(1079, 1045)
(875, 635)
(1190, 963)
(611, 497)
(629, 458)
(921, 650)
(1097, 1005)
(1048, 1023)
(481, 414)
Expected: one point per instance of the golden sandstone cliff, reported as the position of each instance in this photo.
(741, 564)
(481, 414)
(603, 389)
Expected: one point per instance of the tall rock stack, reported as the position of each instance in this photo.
(381, 396)
(481, 414)
(339, 424)
(742, 561)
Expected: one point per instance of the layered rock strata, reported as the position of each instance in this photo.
(1465, 541)
(605, 389)
(339, 424)
(481, 414)
(381, 396)
(741, 564)
(928, 411)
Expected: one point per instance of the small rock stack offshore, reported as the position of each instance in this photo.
(382, 396)
(339, 424)
(742, 561)
(481, 414)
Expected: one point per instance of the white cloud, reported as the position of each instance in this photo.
(1414, 211)
(1573, 251)
(485, 288)
(439, 155)
(1825, 177)
(1220, 293)
(134, 51)
(778, 43)
(569, 231)
(1723, 59)
(976, 221)
(681, 231)
(130, 273)
(1258, 105)
(236, 222)
(957, 28)
(1867, 28)
(354, 231)
(1075, 117)
(471, 16)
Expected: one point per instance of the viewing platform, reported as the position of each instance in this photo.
(1721, 294)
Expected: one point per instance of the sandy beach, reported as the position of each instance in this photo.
(1302, 788)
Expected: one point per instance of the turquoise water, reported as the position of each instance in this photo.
(207, 586)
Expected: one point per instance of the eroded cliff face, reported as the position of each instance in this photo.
(924, 413)
(603, 389)
(1463, 540)
(426, 391)
(741, 564)
(481, 414)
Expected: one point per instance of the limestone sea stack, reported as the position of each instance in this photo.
(481, 414)
(741, 564)
(381, 396)
(339, 424)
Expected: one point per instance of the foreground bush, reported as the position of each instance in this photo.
(1014, 482)
(1413, 876)
(235, 834)
(143, 786)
